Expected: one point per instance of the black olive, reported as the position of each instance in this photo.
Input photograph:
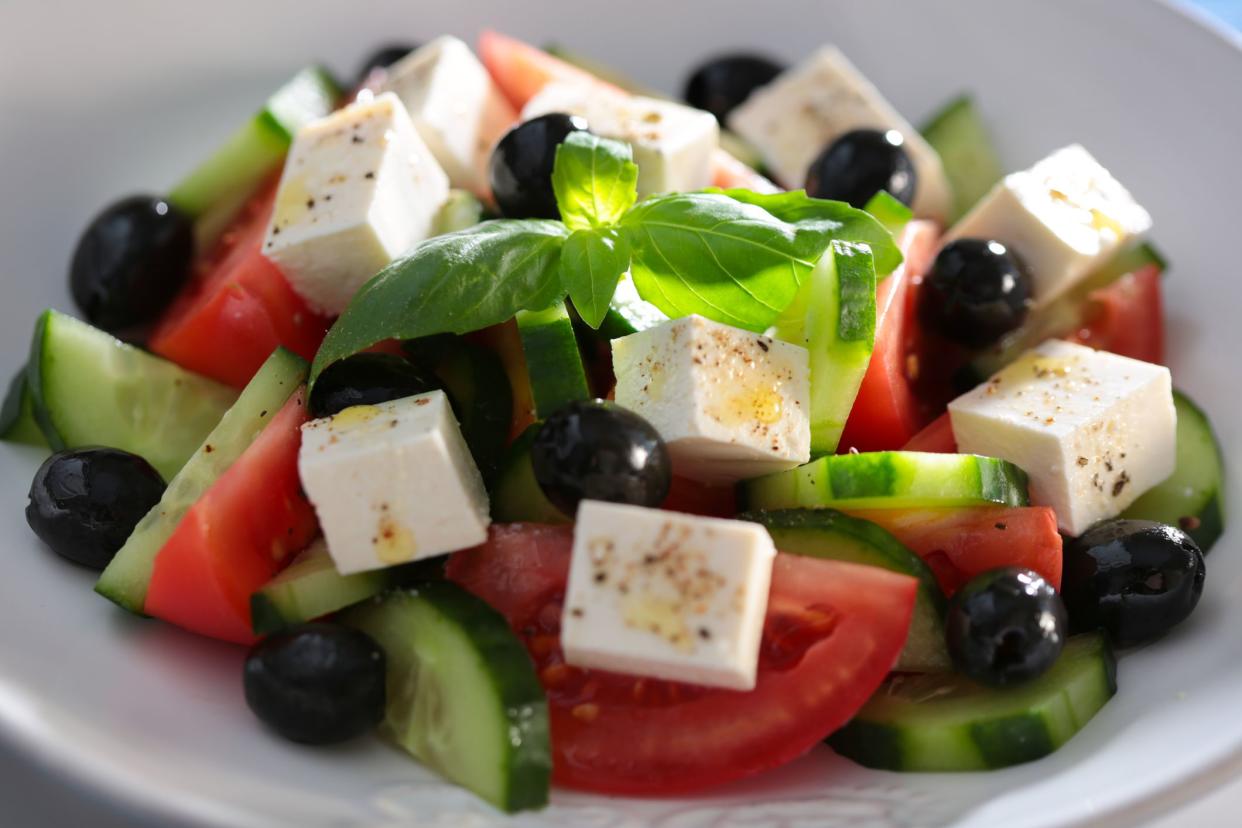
(722, 83)
(130, 262)
(596, 450)
(367, 379)
(85, 502)
(383, 57)
(859, 164)
(976, 292)
(521, 165)
(1005, 626)
(1136, 579)
(316, 683)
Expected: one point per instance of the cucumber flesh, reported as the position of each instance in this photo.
(827, 533)
(125, 580)
(310, 588)
(889, 211)
(957, 133)
(214, 190)
(463, 696)
(461, 211)
(516, 496)
(948, 723)
(1193, 498)
(833, 317)
(891, 480)
(17, 419)
(628, 313)
(553, 360)
(88, 388)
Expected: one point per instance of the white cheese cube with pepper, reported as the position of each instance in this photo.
(1063, 218)
(456, 107)
(673, 144)
(671, 596)
(795, 117)
(1093, 430)
(359, 188)
(729, 403)
(393, 483)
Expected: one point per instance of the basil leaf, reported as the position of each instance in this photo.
(455, 283)
(592, 263)
(595, 180)
(821, 221)
(714, 255)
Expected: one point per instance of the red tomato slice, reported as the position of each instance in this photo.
(886, 412)
(959, 544)
(1127, 317)
(238, 307)
(521, 70)
(833, 631)
(236, 536)
(692, 497)
(937, 437)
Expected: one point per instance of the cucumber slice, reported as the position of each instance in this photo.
(827, 533)
(948, 723)
(833, 317)
(88, 388)
(1193, 498)
(891, 480)
(309, 588)
(553, 360)
(463, 697)
(214, 190)
(628, 313)
(957, 133)
(461, 211)
(17, 419)
(125, 580)
(478, 387)
(889, 211)
(1063, 315)
(516, 496)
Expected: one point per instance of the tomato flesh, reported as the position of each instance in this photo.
(238, 306)
(833, 631)
(937, 437)
(959, 544)
(1127, 317)
(236, 536)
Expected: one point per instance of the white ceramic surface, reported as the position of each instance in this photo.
(100, 99)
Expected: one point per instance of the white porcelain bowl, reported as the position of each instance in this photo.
(102, 99)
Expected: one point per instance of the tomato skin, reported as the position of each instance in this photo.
(832, 633)
(936, 437)
(960, 543)
(236, 536)
(1127, 317)
(694, 498)
(521, 70)
(238, 306)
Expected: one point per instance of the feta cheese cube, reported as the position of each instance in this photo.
(359, 189)
(673, 144)
(1063, 217)
(795, 117)
(667, 595)
(1093, 430)
(456, 107)
(392, 483)
(730, 404)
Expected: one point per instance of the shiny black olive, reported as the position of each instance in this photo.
(85, 502)
(1136, 579)
(859, 164)
(130, 262)
(367, 379)
(596, 450)
(316, 683)
(1005, 626)
(722, 83)
(521, 165)
(384, 57)
(976, 292)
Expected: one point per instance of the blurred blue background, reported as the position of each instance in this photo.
(1229, 11)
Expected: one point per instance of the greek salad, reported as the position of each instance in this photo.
(570, 433)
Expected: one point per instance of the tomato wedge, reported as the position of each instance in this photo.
(959, 544)
(937, 437)
(238, 307)
(833, 631)
(1127, 317)
(692, 497)
(236, 536)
